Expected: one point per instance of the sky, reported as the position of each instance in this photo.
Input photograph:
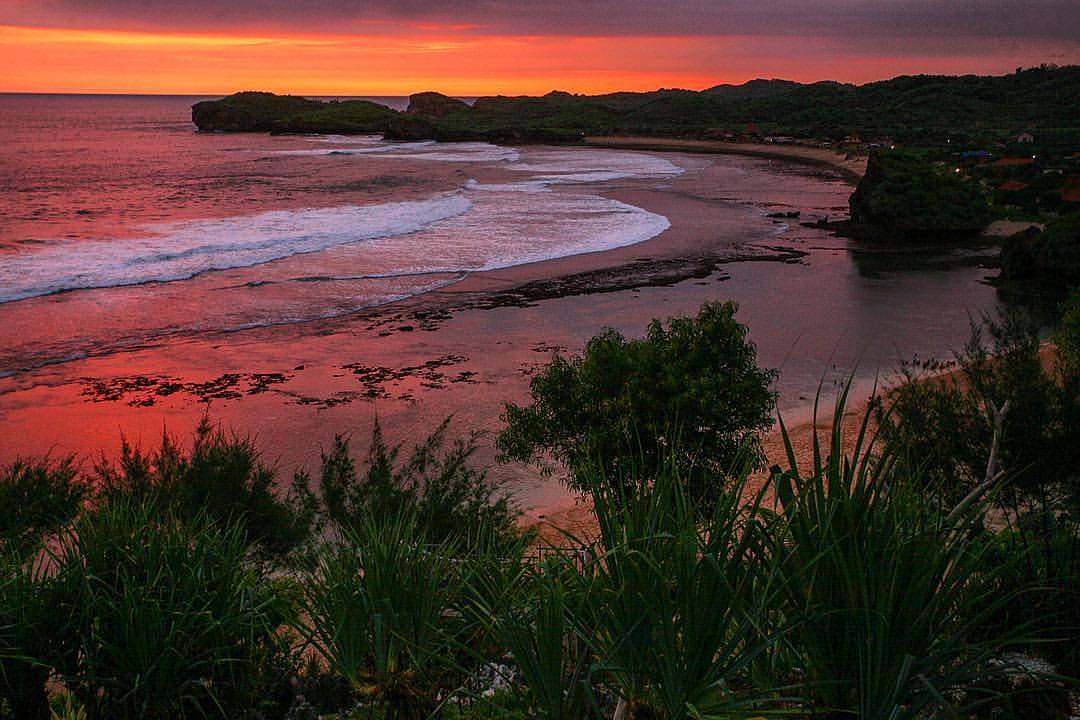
(483, 47)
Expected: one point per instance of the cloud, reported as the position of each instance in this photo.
(1031, 19)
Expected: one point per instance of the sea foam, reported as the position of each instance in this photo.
(182, 250)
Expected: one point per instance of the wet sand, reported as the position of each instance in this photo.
(469, 348)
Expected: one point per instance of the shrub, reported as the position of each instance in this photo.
(885, 584)
(222, 477)
(26, 625)
(621, 400)
(39, 498)
(378, 607)
(449, 498)
(161, 619)
(677, 603)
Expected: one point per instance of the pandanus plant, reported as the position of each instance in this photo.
(677, 595)
(379, 608)
(886, 583)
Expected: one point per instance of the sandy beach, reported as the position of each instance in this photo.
(851, 167)
(471, 346)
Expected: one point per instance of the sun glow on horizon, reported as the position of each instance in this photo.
(449, 59)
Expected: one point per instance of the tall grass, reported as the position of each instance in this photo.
(886, 583)
(380, 609)
(25, 627)
(160, 619)
(677, 595)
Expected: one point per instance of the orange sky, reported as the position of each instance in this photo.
(454, 61)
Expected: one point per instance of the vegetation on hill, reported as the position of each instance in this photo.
(1052, 254)
(902, 193)
(910, 109)
(266, 112)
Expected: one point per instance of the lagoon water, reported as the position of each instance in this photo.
(135, 251)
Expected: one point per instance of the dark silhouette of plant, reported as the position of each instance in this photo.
(223, 476)
(621, 400)
(449, 497)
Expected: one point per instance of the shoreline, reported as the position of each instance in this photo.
(851, 168)
(467, 349)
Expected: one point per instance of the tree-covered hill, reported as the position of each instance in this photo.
(909, 109)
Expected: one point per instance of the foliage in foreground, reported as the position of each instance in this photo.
(889, 582)
(945, 429)
(619, 402)
(160, 618)
(449, 496)
(38, 499)
(222, 476)
(874, 589)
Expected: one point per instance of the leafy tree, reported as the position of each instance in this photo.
(621, 402)
(944, 429)
(946, 426)
(451, 499)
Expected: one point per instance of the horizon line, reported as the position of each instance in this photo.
(122, 93)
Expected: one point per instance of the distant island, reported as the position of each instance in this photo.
(947, 155)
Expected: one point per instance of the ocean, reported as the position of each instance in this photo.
(299, 285)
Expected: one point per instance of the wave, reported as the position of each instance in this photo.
(182, 250)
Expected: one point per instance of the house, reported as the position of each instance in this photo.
(1013, 186)
(1013, 162)
(1025, 138)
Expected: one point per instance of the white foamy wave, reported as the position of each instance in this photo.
(504, 229)
(178, 251)
(471, 152)
(531, 186)
(593, 162)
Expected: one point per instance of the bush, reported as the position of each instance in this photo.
(161, 619)
(222, 477)
(945, 426)
(26, 630)
(621, 401)
(886, 584)
(379, 609)
(451, 500)
(39, 498)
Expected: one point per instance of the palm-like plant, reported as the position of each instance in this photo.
(885, 582)
(379, 608)
(161, 619)
(677, 598)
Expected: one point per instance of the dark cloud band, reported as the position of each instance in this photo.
(1050, 19)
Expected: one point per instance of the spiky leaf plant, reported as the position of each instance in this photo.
(379, 607)
(885, 581)
(161, 619)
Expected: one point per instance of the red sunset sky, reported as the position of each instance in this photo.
(395, 47)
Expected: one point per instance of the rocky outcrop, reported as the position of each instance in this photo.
(1052, 254)
(905, 194)
(249, 112)
(266, 112)
(434, 105)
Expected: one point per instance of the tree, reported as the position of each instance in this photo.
(625, 402)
